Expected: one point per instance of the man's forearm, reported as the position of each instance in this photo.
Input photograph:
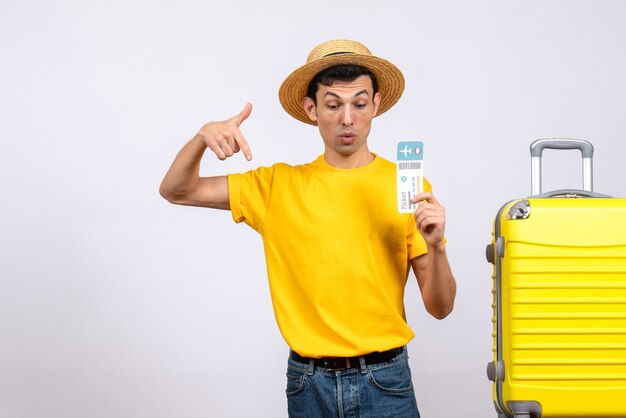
(441, 283)
(436, 282)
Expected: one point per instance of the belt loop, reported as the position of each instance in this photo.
(363, 364)
(311, 368)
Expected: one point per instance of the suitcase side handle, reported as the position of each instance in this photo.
(536, 151)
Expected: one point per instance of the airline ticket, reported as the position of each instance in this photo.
(409, 173)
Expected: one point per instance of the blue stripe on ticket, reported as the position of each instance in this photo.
(410, 151)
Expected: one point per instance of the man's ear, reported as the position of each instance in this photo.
(309, 107)
(376, 102)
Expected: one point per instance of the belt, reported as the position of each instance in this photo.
(332, 364)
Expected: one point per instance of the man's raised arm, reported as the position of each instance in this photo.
(183, 185)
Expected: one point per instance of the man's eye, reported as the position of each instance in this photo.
(333, 106)
(361, 105)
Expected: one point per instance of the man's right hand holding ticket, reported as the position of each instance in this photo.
(430, 218)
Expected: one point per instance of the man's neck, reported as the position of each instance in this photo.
(356, 160)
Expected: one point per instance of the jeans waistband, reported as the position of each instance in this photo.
(343, 363)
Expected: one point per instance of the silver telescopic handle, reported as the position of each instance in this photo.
(536, 150)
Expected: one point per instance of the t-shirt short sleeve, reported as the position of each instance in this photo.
(248, 194)
(234, 196)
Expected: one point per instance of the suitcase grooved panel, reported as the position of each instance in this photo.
(567, 315)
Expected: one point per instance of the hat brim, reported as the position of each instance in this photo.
(294, 88)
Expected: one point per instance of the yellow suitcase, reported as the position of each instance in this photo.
(559, 300)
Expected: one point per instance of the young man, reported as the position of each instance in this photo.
(337, 251)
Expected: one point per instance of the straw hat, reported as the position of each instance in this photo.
(340, 51)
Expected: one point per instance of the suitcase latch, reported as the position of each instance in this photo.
(520, 210)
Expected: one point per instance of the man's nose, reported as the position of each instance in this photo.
(347, 117)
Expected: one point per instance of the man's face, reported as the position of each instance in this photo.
(344, 113)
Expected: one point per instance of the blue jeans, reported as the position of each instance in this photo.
(382, 390)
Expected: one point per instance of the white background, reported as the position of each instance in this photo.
(114, 303)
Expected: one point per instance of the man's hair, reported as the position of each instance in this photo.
(341, 72)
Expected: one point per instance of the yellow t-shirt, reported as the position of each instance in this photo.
(337, 253)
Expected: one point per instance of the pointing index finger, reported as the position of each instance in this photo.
(243, 144)
(239, 138)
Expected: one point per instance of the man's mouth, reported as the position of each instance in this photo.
(347, 137)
